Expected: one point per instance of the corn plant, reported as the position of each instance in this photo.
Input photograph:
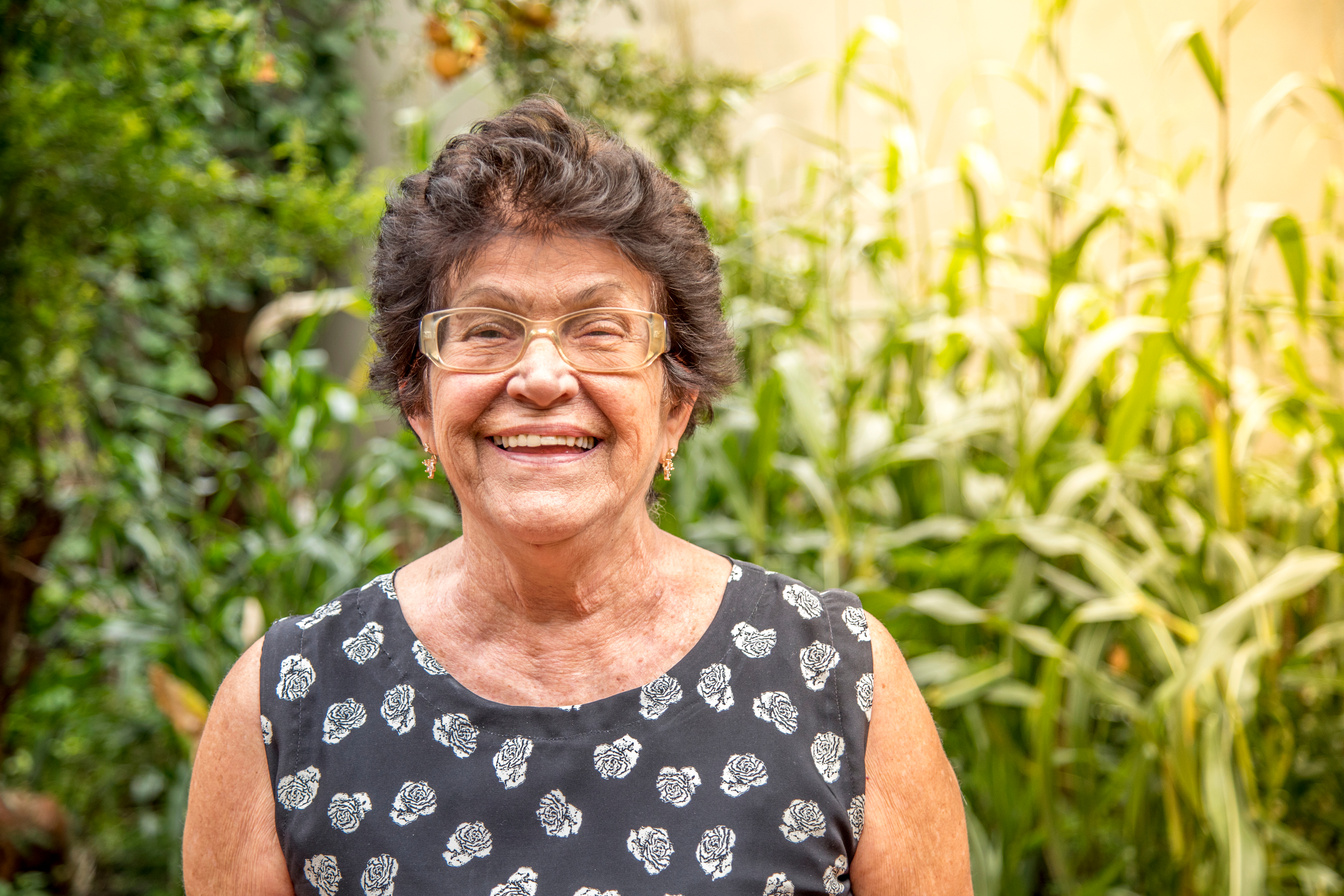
(1076, 457)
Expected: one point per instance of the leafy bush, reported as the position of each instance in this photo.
(165, 490)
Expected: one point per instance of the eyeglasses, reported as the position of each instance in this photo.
(594, 340)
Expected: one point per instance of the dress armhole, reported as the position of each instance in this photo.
(854, 677)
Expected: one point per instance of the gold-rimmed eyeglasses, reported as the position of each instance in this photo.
(594, 340)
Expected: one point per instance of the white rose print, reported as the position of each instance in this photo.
(857, 622)
(776, 707)
(323, 873)
(296, 677)
(415, 798)
(511, 761)
(522, 882)
(715, 851)
(589, 891)
(856, 815)
(347, 810)
(377, 879)
(297, 791)
(470, 841)
(755, 643)
(384, 583)
(827, 748)
(677, 786)
(650, 846)
(743, 772)
(736, 573)
(831, 878)
(365, 645)
(557, 816)
(399, 708)
(864, 691)
(328, 609)
(656, 696)
(427, 660)
(615, 760)
(803, 819)
(455, 730)
(267, 732)
(342, 718)
(805, 602)
(817, 660)
(714, 686)
(778, 885)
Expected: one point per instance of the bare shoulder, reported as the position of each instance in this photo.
(230, 845)
(914, 834)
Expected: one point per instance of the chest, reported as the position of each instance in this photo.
(740, 769)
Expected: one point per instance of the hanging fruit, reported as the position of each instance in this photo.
(534, 14)
(265, 73)
(526, 18)
(455, 49)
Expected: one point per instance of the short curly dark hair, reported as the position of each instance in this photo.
(534, 170)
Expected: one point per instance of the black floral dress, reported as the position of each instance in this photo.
(739, 771)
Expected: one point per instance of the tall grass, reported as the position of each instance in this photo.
(1078, 461)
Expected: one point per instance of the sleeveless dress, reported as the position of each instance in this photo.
(739, 771)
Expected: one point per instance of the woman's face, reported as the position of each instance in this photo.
(548, 493)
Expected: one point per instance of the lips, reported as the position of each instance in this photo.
(532, 440)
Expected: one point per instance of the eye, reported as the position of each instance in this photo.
(479, 327)
(485, 331)
(601, 326)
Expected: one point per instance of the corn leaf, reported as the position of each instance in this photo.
(1287, 233)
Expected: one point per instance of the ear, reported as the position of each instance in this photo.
(678, 415)
(422, 425)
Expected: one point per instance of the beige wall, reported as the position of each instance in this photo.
(949, 50)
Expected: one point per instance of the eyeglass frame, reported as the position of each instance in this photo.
(429, 344)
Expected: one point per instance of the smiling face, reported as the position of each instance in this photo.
(540, 453)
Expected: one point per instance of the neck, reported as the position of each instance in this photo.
(572, 621)
(565, 581)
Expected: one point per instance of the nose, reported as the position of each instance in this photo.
(541, 377)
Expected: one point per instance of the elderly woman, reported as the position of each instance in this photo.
(567, 700)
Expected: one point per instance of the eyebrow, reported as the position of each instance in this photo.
(510, 301)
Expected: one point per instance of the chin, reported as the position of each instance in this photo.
(549, 518)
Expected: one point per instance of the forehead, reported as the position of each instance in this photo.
(539, 277)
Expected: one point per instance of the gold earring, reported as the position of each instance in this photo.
(430, 463)
(667, 464)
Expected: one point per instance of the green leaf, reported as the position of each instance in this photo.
(1133, 413)
(971, 687)
(1064, 128)
(1301, 570)
(1043, 417)
(1287, 233)
(1213, 75)
(947, 606)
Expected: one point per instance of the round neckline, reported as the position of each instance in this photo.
(615, 711)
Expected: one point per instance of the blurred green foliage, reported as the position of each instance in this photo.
(166, 169)
(170, 480)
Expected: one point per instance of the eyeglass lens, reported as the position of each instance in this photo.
(600, 339)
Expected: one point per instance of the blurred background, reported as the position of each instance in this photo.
(1039, 311)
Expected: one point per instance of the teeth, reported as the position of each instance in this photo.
(536, 441)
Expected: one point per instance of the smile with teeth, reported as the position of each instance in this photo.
(536, 441)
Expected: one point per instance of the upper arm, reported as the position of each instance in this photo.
(914, 832)
(230, 845)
